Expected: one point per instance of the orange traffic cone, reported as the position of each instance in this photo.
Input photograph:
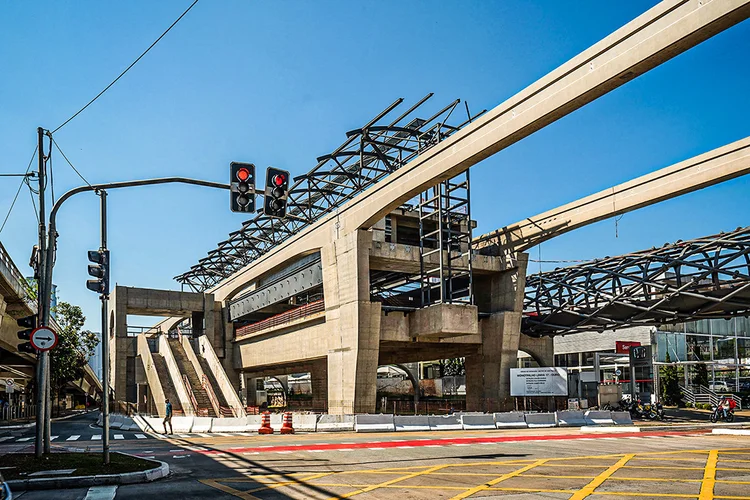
(265, 424)
(287, 428)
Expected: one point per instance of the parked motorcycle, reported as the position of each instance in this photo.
(718, 414)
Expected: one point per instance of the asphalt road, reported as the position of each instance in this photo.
(528, 464)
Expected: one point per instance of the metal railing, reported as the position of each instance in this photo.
(703, 395)
(13, 412)
(206, 384)
(193, 401)
(14, 276)
(283, 318)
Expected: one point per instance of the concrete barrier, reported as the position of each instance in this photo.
(621, 418)
(154, 424)
(335, 423)
(478, 421)
(179, 424)
(445, 422)
(510, 420)
(374, 423)
(412, 423)
(229, 425)
(276, 420)
(609, 429)
(304, 422)
(598, 417)
(115, 421)
(201, 424)
(538, 420)
(253, 422)
(570, 418)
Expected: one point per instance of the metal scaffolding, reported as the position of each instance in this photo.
(380, 147)
(703, 278)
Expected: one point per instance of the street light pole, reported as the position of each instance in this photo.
(105, 337)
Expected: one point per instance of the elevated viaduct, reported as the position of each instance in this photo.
(339, 297)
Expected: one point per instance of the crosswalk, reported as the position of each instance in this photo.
(78, 437)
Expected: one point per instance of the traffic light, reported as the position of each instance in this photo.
(100, 271)
(242, 184)
(28, 324)
(277, 192)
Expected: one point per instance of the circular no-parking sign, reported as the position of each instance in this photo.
(43, 338)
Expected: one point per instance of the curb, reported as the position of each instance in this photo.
(55, 483)
(690, 427)
(32, 424)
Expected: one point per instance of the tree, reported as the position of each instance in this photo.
(701, 375)
(670, 386)
(452, 367)
(74, 347)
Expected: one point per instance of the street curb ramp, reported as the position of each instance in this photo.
(540, 420)
(570, 418)
(598, 417)
(374, 423)
(59, 483)
(478, 421)
(335, 423)
(510, 420)
(412, 423)
(445, 423)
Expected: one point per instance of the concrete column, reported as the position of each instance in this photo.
(319, 386)
(488, 372)
(354, 324)
(118, 345)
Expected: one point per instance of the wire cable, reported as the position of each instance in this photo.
(51, 173)
(13, 203)
(126, 69)
(33, 201)
(69, 163)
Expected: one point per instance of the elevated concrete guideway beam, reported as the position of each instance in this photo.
(664, 31)
(714, 167)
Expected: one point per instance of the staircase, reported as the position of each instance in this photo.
(167, 384)
(202, 401)
(214, 384)
(702, 394)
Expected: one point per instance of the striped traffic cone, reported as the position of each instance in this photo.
(265, 424)
(286, 427)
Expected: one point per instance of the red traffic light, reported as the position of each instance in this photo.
(279, 179)
(243, 174)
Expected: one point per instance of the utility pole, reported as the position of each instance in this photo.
(105, 333)
(41, 364)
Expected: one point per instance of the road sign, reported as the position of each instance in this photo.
(43, 338)
(618, 372)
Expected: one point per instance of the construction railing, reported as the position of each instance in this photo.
(223, 411)
(283, 318)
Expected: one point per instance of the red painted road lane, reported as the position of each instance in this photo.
(416, 443)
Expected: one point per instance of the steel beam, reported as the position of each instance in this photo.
(664, 31)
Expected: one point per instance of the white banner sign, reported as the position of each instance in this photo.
(547, 381)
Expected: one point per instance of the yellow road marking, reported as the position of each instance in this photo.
(486, 485)
(709, 476)
(598, 480)
(392, 481)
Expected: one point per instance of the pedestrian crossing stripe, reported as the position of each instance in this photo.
(74, 438)
(140, 436)
(24, 439)
(96, 437)
(5, 438)
(119, 436)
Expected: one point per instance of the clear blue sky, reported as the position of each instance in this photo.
(278, 83)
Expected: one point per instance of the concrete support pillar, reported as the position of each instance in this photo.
(118, 345)
(319, 386)
(488, 371)
(354, 324)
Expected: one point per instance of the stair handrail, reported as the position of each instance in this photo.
(206, 384)
(190, 392)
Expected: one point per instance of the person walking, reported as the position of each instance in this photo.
(168, 417)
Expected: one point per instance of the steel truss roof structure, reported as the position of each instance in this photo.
(380, 147)
(685, 281)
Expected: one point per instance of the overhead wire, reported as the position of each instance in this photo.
(69, 163)
(51, 174)
(13, 203)
(126, 69)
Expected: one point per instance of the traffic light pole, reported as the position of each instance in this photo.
(47, 262)
(41, 363)
(105, 339)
